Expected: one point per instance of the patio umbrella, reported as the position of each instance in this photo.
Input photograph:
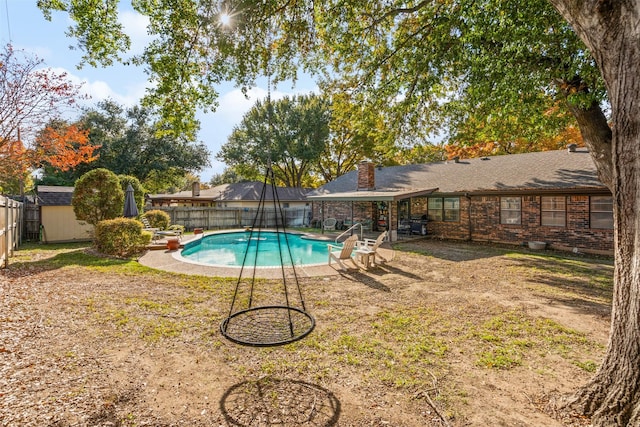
(130, 208)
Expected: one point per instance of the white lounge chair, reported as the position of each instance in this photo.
(330, 224)
(343, 253)
(370, 246)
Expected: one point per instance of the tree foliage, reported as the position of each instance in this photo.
(30, 96)
(64, 148)
(131, 142)
(97, 196)
(355, 135)
(31, 99)
(289, 134)
(59, 146)
(455, 66)
(228, 176)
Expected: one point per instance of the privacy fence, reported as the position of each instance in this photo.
(215, 218)
(10, 230)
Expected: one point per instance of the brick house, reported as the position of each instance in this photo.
(552, 196)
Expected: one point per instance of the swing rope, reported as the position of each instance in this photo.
(267, 325)
(270, 324)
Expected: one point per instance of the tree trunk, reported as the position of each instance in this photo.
(597, 136)
(610, 30)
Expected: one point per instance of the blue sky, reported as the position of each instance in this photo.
(23, 25)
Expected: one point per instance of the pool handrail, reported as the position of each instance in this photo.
(357, 224)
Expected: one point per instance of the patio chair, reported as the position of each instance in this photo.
(329, 224)
(158, 233)
(343, 253)
(371, 245)
(149, 228)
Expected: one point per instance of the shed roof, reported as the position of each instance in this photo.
(54, 195)
(559, 170)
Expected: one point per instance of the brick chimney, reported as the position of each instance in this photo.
(195, 189)
(366, 176)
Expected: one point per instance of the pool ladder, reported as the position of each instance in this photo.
(350, 232)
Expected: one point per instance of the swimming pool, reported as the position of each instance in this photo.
(228, 249)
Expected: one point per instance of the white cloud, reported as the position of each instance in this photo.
(234, 104)
(98, 89)
(135, 26)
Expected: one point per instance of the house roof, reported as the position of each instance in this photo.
(53, 195)
(240, 191)
(559, 171)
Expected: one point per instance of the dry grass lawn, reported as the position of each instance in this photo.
(445, 334)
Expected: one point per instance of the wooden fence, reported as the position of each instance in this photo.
(31, 220)
(215, 218)
(10, 229)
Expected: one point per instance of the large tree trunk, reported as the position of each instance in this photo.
(611, 31)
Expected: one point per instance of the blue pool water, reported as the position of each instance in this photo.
(228, 249)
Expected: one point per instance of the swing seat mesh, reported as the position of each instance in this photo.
(267, 326)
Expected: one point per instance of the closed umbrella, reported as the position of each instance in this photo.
(130, 207)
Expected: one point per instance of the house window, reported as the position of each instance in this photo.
(444, 209)
(554, 212)
(434, 209)
(510, 210)
(452, 209)
(285, 205)
(601, 212)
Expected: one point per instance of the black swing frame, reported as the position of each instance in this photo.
(267, 325)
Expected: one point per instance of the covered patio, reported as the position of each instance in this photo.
(402, 212)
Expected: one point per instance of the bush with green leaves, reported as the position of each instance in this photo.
(122, 237)
(97, 196)
(158, 219)
(176, 227)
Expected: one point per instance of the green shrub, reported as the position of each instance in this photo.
(122, 237)
(97, 196)
(158, 219)
(176, 227)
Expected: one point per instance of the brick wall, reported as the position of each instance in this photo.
(480, 221)
(366, 176)
(342, 210)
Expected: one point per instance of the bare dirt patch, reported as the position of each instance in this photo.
(444, 334)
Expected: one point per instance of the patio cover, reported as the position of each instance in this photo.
(389, 195)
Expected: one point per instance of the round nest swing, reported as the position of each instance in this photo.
(267, 326)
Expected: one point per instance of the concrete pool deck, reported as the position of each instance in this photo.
(161, 258)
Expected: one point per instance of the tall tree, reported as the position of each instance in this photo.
(132, 142)
(30, 98)
(228, 176)
(355, 135)
(290, 134)
(611, 31)
(59, 146)
(426, 62)
(30, 95)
